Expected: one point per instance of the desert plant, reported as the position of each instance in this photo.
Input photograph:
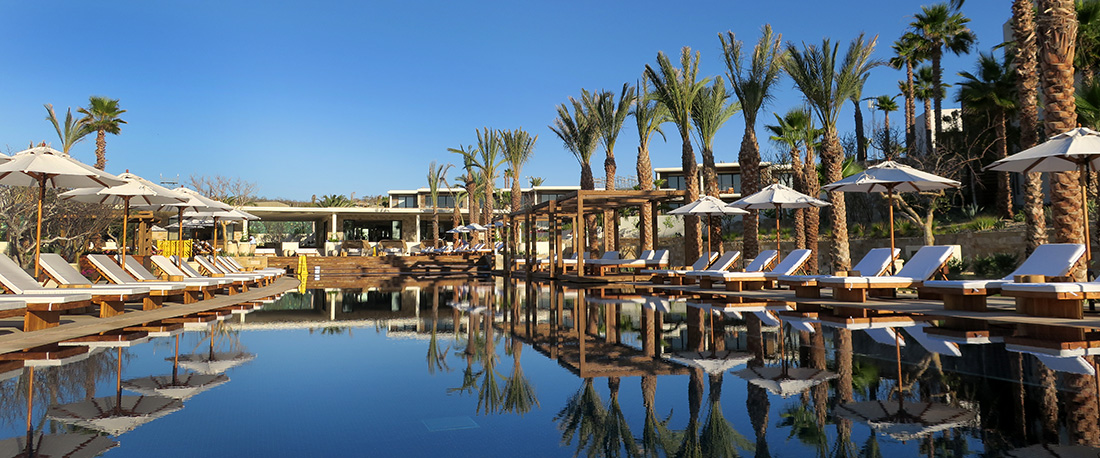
(995, 265)
(983, 223)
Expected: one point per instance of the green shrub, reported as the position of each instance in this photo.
(856, 230)
(996, 265)
(1018, 216)
(984, 223)
(955, 268)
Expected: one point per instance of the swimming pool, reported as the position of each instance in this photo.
(397, 372)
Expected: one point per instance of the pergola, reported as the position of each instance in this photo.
(572, 208)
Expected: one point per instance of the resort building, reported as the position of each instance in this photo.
(729, 177)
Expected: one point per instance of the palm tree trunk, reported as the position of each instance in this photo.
(435, 227)
(928, 146)
(833, 158)
(1048, 402)
(1004, 182)
(910, 110)
(887, 151)
(813, 214)
(101, 149)
(1081, 411)
(1057, 29)
(799, 185)
(1027, 86)
(710, 187)
(487, 211)
(589, 183)
(610, 239)
(749, 160)
(861, 139)
(645, 183)
(692, 237)
(517, 193)
(937, 93)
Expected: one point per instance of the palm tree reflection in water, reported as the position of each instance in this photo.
(582, 418)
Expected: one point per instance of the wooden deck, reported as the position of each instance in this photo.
(25, 340)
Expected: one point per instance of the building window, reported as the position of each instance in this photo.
(445, 224)
(372, 231)
(676, 182)
(729, 183)
(548, 196)
(442, 201)
(404, 201)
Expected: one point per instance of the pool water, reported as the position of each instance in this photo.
(419, 371)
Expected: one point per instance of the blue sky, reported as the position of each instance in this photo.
(336, 97)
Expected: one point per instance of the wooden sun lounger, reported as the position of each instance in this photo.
(113, 273)
(41, 311)
(111, 299)
(925, 263)
(708, 278)
(675, 276)
(757, 280)
(875, 263)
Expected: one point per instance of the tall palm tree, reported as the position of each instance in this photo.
(710, 112)
(1057, 29)
(676, 89)
(886, 104)
(469, 181)
(993, 90)
(752, 82)
(648, 116)
(519, 146)
(519, 393)
(581, 134)
(488, 161)
(582, 417)
(826, 83)
(718, 438)
(795, 131)
(1027, 87)
(924, 89)
(1086, 55)
(437, 175)
(102, 116)
(942, 28)
(610, 116)
(908, 52)
(74, 130)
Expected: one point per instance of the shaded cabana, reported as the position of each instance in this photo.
(573, 208)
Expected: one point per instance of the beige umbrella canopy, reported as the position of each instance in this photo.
(907, 420)
(778, 196)
(133, 192)
(175, 386)
(200, 203)
(214, 363)
(232, 214)
(891, 177)
(708, 205)
(75, 445)
(44, 167)
(1075, 149)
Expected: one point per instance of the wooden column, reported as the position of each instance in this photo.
(529, 265)
(653, 220)
(580, 322)
(555, 253)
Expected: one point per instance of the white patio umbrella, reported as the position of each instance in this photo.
(907, 420)
(44, 167)
(131, 192)
(231, 214)
(712, 362)
(1075, 149)
(708, 205)
(891, 177)
(75, 445)
(175, 386)
(214, 363)
(475, 227)
(778, 197)
(1054, 451)
(785, 381)
(208, 206)
(116, 414)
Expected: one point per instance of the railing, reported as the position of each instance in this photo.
(174, 247)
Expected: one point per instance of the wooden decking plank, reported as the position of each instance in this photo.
(19, 341)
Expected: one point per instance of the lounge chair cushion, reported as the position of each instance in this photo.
(1069, 287)
(761, 261)
(722, 265)
(921, 267)
(1051, 260)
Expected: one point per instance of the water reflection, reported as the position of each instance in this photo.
(548, 361)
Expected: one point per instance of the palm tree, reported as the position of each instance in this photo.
(437, 359)
(993, 90)
(519, 146)
(488, 161)
(610, 116)
(72, 132)
(469, 180)
(437, 175)
(102, 116)
(908, 52)
(536, 181)
(1057, 27)
(676, 89)
(710, 112)
(924, 90)
(795, 131)
(1023, 31)
(718, 438)
(752, 83)
(519, 393)
(826, 86)
(580, 133)
(942, 28)
(886, 104)
(648, 116)
(582, 417)
(615, 433)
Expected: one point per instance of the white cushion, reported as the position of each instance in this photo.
(964, 284)
(1069, 287)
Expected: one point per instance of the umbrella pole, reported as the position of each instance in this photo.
(38, 236)
(214, 247)
(176, 362)
(118, 382)
(125, 222)
(1082, 178)
(30, 405)
(778, 252)
(891, 197)
(897, 352)
(179, 238)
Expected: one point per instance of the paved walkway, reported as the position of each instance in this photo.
(24, 340)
